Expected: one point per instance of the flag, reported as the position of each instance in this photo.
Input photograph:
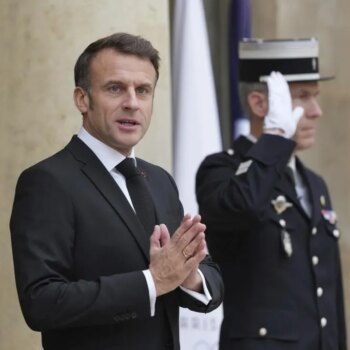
(196, 134)
(195, 114)
(240, 27)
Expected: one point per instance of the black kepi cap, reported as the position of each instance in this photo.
(296, 59)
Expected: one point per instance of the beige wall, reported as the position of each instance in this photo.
(40, 41)
(329, 21)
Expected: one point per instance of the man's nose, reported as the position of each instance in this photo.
(313, 110)
(130, 100)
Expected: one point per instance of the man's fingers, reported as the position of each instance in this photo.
(190, 235)
(195, 260)
(196, 244)
(297, 113)
(196, 218)
(155, 238)
(164, 235)
(185, 225)
(186, 217)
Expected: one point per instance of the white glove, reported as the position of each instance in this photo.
(281, 114)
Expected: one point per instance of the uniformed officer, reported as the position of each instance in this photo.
(270, 221)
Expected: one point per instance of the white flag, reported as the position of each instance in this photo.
(197, 134)
(195, 113)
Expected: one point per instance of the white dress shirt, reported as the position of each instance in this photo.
(110, 158)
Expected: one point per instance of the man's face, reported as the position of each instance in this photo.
(118, 108)
(305, 95)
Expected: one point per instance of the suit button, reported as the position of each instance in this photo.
(315, 260)
(336, 233)
(133, 315)
(319, 292)
(314, 231)
(323, 322)
(262, 331)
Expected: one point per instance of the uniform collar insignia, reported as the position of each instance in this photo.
(280, 204)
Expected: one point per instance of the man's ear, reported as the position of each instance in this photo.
(81, 99)
(258, 103)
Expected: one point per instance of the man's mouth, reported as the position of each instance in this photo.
(128, 122)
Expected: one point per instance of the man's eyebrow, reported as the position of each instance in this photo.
(109, 82)
(120, 82)
(145, 85)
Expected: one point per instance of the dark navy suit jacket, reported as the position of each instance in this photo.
(281, 268)
(79, 252)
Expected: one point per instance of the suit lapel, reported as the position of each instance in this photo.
(99, 176)
(286, 187)
(157, 200)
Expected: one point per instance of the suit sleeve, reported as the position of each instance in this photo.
(209, 269)
(237, 188)
(214, 283)
(43, 234)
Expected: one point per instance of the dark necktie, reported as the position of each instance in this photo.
(139, 193)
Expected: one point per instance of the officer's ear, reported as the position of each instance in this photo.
(258, 103)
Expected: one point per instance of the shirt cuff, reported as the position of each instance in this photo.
(151, 290)
(205, 297)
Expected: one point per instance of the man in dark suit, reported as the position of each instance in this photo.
(270, 222)
(92, 270)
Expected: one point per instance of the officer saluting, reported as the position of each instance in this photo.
(270, 221)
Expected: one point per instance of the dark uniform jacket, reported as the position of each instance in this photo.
(281, 268)
(79, 252)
